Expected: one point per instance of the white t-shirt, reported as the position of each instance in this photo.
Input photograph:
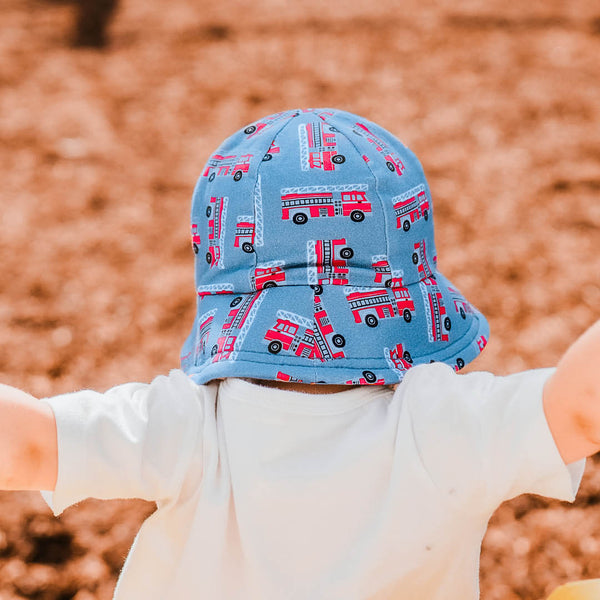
(266, 494)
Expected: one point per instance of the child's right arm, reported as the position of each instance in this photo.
(572, 398)
(28, 447)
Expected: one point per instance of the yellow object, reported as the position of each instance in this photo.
(588, 589)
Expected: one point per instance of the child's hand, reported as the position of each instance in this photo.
(572, 398)
(28, 447)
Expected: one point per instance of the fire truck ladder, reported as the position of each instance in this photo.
(311, 271)
(247, 324)
(201, 332)
(215, 288)
(422, 254)
(427, 311)
(303, 136)
(412, 192)
(388, 357)
(258, 214)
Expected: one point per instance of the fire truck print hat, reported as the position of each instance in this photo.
(315, 258)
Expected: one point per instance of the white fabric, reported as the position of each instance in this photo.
(266, 494)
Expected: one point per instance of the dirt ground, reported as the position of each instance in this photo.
(100, 149)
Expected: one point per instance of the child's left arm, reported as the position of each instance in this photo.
(28, 447)
(572, 398)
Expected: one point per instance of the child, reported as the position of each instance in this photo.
(315, 264)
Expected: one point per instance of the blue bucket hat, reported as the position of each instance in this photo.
(315, 258)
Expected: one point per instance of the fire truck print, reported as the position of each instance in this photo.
(398, 358)
(305, 338)
(368, 378)
(327, 262)
(216, 212)
(249, 228)
(222, 166)
(325, 201)
(392, 160)
(383, 272)
(285, 377)
(262, 126)
(195, 238)
(462, 307)
(214, 289)
(318, 147)
(268, 275)
(235, 328)
(419, 258)
(410, 207)
(273, 149)
(438, 322)
(370, 305)
(204, 324)
(481, 342)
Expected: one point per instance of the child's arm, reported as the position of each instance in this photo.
(28, 447)
(572, 398)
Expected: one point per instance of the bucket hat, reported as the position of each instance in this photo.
(315, 258)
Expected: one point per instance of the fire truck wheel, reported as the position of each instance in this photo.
(388, 283)
(235, 301)
(406, 225)
(237, 175)
(212, 177)
(346, 253)
(357, 216)
(247, 247)
(318, 289)
(269, 284)
(463, 314)
(250, 129)
(460, 363)
(267, 157)
(390, 165)
(208, 258)
(195, 247)
(338, 340)
(274, 347)
(299, 218)
(415, 258)
(214, 350)
(371, 320)
(407, 357)
(447, 323)
(369, 376)
(208, 210)
(338, 159)
(407, 315)
(426, 214)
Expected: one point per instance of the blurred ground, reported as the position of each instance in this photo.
(98, 157)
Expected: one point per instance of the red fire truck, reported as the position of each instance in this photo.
(236, 325)
(462, 307)
(325, 201)
(214, 288)
(195, 239)
(244, 233)
(221, 166)
(305, 338)
(285, 377)
(369, 305)
(481, 342)
(268, 275)
(410, 207)
(438, 321)
(256, 128)
(273, 149)
(419, 258)
(318, 147)
(398, 358)
(215, 212)
(327, 261)
(204, 331)
(392, 160)
(383, 272)
(368, 378)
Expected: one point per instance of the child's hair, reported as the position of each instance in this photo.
(315, 258)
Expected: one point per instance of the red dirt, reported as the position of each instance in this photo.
(100, 151)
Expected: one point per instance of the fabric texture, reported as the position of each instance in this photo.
(266, 494)
(316, 259)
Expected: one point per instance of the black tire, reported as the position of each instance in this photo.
(208, 258)
(237, 175)
(235, 301)
(406, 225)
(247, 247)
(357, 216)
(447, 323)
(369, 376)
(212, 176)
(338, 159)
(196, 249)
(214, 350)
(426, 214)
(339, 341)
(463, 314)
(407, 357)
(390, 165)
(250, 129)
(208, 210)
(407, 315)
(267, 157)
(275, 347)
(299, 218)
(388, 282)
(371, 321)
(415, 258)
(460, 363)
(318, 289)
(346, 253)
(269, 284)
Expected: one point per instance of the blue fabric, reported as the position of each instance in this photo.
(316, 261)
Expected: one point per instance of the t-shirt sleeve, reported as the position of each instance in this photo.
(134, 441)
(484, 439)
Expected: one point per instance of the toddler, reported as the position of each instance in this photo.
(284, 462)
